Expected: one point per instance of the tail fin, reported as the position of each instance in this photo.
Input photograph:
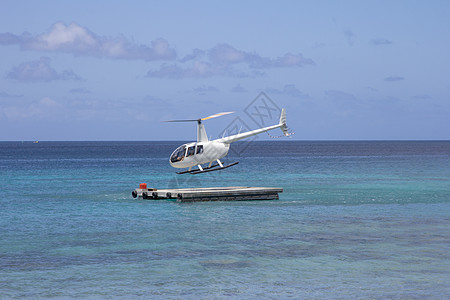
(283, 126)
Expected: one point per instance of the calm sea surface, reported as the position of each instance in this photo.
(355, 220)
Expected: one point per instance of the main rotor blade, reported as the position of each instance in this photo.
(202, 119)
(217, 115)
(181, 121)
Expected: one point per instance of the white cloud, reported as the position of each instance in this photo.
(40, 70)
(394, 78)
(225, 60)
(290, 60)
(48, 102)
(226, 54)
(221, 60)
(80, 91)
(381, 42)
(204, 89)
(289, 90)
(239, 89)
(78, 40)
(173, 71)
(4, 94)
(42, 109)
(340, 95)
(64, 38)
(200, 69)
(196, 54)
(350, 36)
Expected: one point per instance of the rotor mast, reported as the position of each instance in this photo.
(201, 132)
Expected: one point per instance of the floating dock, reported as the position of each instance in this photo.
(230, 193)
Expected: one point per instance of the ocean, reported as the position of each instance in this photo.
(356, 220)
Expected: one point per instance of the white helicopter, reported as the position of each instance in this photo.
(205, 151)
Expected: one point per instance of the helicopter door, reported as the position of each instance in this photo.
(190, 151)
(199, 149)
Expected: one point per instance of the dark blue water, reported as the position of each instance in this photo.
(355, 220)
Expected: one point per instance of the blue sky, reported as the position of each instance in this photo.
(113, 70)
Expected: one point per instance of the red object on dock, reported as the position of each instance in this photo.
(143, 186)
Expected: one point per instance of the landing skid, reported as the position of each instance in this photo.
(208, 169)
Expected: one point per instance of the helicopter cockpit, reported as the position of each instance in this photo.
(178, 154)
(181, 152)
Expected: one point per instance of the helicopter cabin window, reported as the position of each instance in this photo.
(199, 149)
(190, 151)
(178, 154)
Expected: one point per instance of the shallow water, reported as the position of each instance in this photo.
(355, 220)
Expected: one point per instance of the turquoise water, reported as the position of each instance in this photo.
(355, 220)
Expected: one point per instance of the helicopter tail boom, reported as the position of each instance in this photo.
(233, 138)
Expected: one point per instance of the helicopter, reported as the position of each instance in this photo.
(210, 152)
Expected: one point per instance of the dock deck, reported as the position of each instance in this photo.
(230, 193)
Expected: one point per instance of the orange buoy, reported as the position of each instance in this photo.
(143, 186)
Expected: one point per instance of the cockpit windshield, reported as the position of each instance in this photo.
(178, 154)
